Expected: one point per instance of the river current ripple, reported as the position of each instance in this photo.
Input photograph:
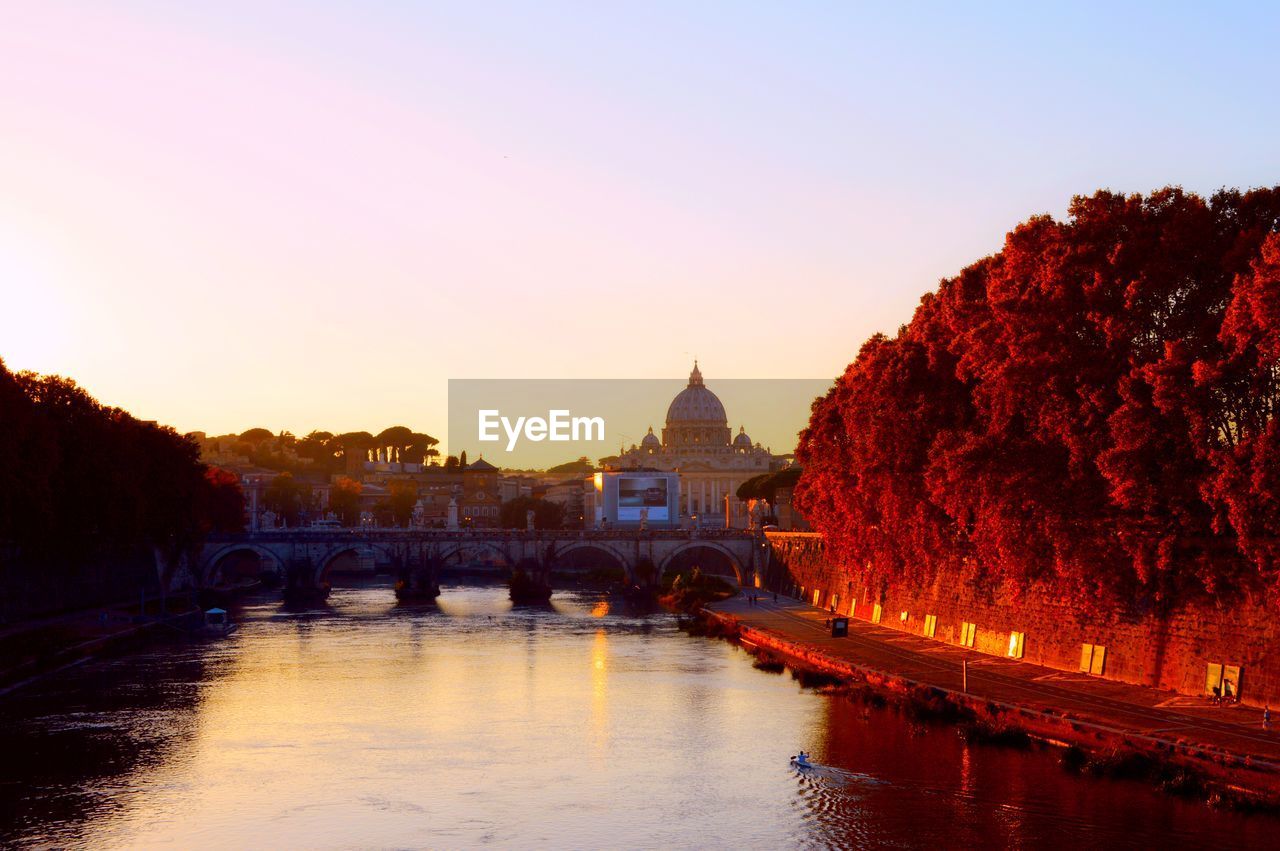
(473, 723)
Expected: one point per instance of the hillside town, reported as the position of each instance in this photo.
(396, 478)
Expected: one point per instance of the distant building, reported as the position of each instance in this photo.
(481, 500)
(789, 518)
(567, 493)
(712, 462)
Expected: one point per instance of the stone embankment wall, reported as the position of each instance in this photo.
(1175, 652)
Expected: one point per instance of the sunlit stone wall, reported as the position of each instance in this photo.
(1173, 652)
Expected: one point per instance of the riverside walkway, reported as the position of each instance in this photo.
(1132, 711)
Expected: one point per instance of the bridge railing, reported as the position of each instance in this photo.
(393, 534)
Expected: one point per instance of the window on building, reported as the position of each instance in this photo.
(1213, 679)
(1016, 641)
(1225, 679)
(876, 613)
(968, 633)
(930, 625)
(1231, 681)
(1092, 659)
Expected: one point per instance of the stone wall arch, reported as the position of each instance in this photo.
(739, 570)
(211, 571)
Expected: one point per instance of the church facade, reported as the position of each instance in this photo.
(698, 444)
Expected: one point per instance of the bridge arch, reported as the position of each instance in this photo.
(574, 555)
(227, 557)
(325, 564)
(449, 553)
(687, 555)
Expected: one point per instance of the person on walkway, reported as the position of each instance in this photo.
(1266, 717)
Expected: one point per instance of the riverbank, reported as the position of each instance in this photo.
(33, 649)
(1220, 752)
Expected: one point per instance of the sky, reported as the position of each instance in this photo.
(312, 215)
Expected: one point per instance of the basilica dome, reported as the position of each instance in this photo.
(696, 404)
(742, 441)
(650, 441)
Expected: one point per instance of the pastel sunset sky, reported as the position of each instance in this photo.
(311, 215)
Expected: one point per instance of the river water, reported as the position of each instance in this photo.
(475, 723)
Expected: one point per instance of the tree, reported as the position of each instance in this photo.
(351, 444)
(223, 502)
(402, 498)
(546, 515)
(89, 495)
(1092, 408)
(285, 497)
(412, 447)
(344, 500)
(582, 467)
(462, 460)
(315, 448)
(254, 436)
(766, 485)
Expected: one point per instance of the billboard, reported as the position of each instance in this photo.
(636, 493)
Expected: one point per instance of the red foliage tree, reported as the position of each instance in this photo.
(222, 503)
(1091, 408)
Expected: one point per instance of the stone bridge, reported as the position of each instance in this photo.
(307, 557)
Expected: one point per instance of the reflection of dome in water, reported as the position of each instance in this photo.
(696, 404)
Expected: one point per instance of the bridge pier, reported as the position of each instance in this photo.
(531, 575)
(418, 577)
(300, 584)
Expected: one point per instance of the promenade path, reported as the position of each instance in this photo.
(1132, 710)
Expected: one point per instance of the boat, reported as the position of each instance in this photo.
(216, 623)
(801, 761)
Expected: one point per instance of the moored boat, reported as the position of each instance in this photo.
(216, 623)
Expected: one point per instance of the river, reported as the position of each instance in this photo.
(475, 723)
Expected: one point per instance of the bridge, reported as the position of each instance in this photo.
(306, 559)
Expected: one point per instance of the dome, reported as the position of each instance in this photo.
(696, 404)
(650, 440)
(742, 441)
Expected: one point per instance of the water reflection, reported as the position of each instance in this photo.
(600, 692)
(895, 778)
(578, 724)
